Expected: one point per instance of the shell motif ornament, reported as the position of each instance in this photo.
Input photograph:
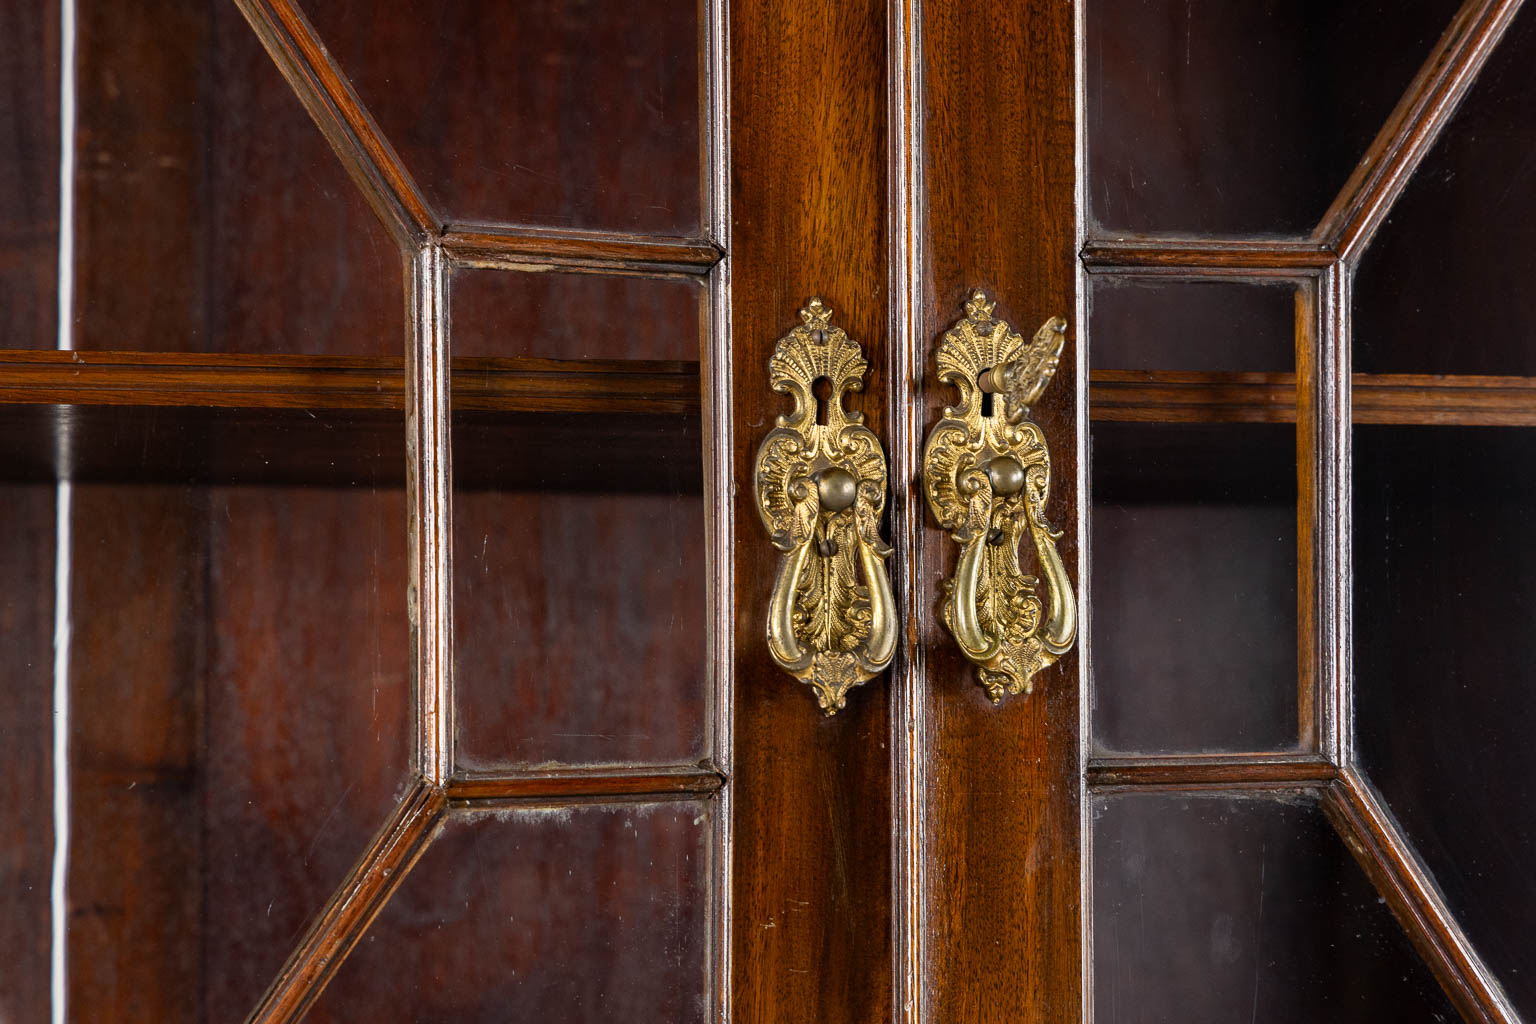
(987, 477)
(820, 482)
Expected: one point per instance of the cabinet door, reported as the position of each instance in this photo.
(1309, 621)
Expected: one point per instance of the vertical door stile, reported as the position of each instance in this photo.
(1003, 812)
(811, 878)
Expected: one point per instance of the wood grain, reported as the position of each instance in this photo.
(1219, 257)
(1210, 771)
(811, 883)
(1003, 815)
(26, 736)
(559, 786)
(473, 245)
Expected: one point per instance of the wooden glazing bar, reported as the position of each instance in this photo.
(325, 92)
(429, 492)
(356, 903)
(582, 785)
(1414, 124)
(999, 124)
(1210, 771)
(1357, 812)
(1204, 257)
(535, 250)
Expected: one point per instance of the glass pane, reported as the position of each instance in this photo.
(575, 316)
(586, 914)
(1194, 608)
(561, 113)
(1192, 326)
(26, 748)
(211, 215)
(239, 729)
(1218, 909)
(1445, 663)
(1212, 117)
(29, 177)
(579, 590)
(1444, 286)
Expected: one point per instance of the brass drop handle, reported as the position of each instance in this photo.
(987, 476)
(820, 484)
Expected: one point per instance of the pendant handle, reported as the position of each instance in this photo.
(820, 484)
(987, 476)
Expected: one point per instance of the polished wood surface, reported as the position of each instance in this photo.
(1002, 815)
(26, 735)
(811, 796)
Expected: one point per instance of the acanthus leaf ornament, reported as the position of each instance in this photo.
(820, 487)
(987, 476)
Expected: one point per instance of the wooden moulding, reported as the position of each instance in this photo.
(1414, 125)
(1210, 771)
(530, 249)
(1367, 829)
(341, 117)
(580, 784)
(1207, 257)
(340, 925)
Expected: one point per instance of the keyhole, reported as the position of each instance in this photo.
(821, 387)
(986, 397)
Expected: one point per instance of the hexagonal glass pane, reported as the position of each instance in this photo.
(210, 213)
(577, 915)
(1444, 567)
(1212, 117)
(557, 113)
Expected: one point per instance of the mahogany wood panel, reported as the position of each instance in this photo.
(210, 213)
(138, 675)
(1003, 816)
(573, 916)
(580, 624)
(562, 113)
(29, 174)
(240, 730)
(26, 737)
(811, 796)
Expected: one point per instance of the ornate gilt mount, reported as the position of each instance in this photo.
(987, 475)
(820, 486)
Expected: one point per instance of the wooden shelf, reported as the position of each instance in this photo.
(339, 421)
(334, 382)
(1131, 396)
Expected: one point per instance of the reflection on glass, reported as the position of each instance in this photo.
(560, 113)
(1215, 909)
(584, 914)
(1206, 116)
(1194, 610)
